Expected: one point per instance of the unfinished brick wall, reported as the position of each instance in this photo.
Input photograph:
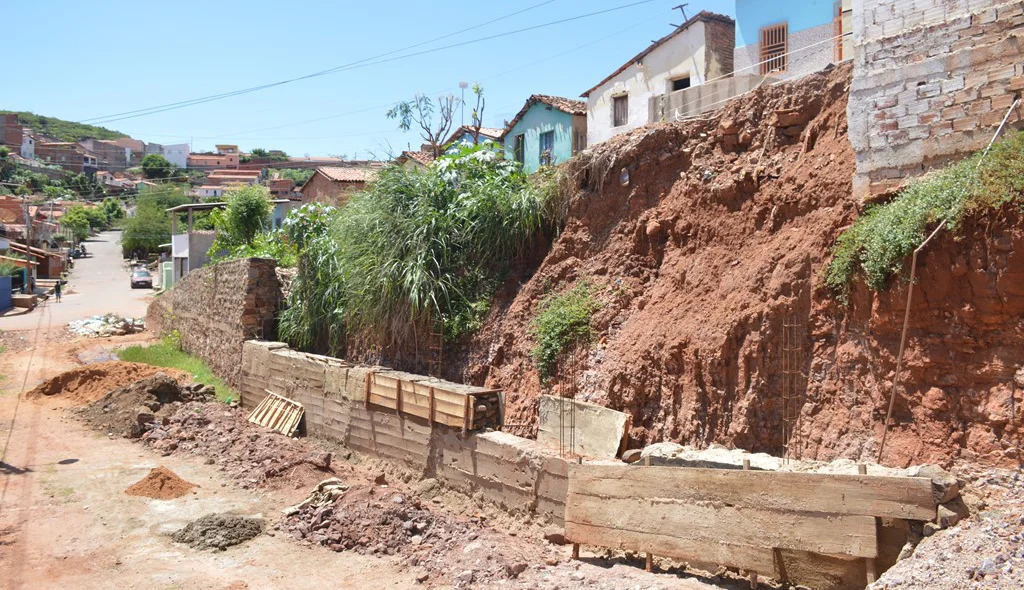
(217, 308)
(932, 81)
(720, 43)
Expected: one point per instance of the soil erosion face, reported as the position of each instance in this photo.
(706, 238)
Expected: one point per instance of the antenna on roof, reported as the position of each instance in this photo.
(682, 8)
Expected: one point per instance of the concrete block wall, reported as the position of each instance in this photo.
(932, 81)
(516, 474)
(810, 51)
(217, 308)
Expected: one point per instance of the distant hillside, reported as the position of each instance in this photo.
(64, 130)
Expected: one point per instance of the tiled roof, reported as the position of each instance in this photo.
(566, 105)
(702, 16)
(348, 173)
(485, 132)
(423, 158)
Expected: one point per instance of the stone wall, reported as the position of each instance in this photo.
(932, 81)
(217, 308)
(519, 475)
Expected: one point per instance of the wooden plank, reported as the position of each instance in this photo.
(866, 495)
(711, 523)
(728, 554)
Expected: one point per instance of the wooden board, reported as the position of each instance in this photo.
(864, 495)
(278, 413)
(712, 523)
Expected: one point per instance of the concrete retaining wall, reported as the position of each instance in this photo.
(516, 474)
(217, 308)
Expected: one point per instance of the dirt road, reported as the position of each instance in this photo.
(98, 284)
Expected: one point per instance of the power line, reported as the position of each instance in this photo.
(347, 67)
(323, 72)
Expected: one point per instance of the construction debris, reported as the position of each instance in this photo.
(278, 413)
(218, 531)
(110, 324)
(130, 411)
(160, 484)
(326, 492)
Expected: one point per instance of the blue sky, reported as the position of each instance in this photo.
(81, 60)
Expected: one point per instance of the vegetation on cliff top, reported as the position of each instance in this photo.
(63, 130)
(562, 322)
(879, 242)
(417, 253)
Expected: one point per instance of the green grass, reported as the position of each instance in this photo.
(878, 244)
(64, 130)
(562, 322)
(165, 354)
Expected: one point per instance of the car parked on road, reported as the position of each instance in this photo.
(142, 279)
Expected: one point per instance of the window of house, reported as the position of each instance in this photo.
(620, 110)
(774, 47)
(579, 142)
(681, 83)
(517, 147)
(547, 147)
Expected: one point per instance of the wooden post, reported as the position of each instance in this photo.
(869, 563)
(398, 396)
(430, 406)
(746, 465)
(465, 416)
(575, 550)
(649, 564)
(751, 575)
(366, 398)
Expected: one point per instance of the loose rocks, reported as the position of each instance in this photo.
(218, 531)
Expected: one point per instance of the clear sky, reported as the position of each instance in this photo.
(83, 60)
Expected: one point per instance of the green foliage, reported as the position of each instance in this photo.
(272, 244)
(151, 224)
(879, 242)
(419, 251)
(9, 268)
(112, 209)
(64, 130)
(562, 322)
(246, 215)
(168, 354)
(77, 220)
(157, 166)
(298, 175)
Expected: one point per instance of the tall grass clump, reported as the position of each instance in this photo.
(877, 245)
(418, 252)
(563, 321)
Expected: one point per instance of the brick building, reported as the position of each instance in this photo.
(281, 188)
(11, 132)
(68, 155)
(332, 185)
(932, 81)
(110, 155)
(212, 161)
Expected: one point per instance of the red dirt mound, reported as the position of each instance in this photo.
(91, 382)
(161, 484)
(706, 240)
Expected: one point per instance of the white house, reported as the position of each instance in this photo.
(28, 145)
(209, 191)
(699, 50)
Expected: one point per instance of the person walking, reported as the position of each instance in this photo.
(57, 289)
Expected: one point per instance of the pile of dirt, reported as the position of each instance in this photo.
(160, 484)
(218, 531)
(91, 382)
(130, 411)
(705, 241)
(251, 454)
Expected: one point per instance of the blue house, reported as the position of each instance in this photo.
(791, 38)
(548, 130)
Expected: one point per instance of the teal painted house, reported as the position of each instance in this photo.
(548, 130)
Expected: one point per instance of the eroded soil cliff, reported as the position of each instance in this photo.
(706, 238)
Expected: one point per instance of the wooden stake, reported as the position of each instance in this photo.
(430, 405)
(366, 398)
(398, 396)
(649, 566)
(753, 579)
(869, 563)
(575, 550)
(746, 465)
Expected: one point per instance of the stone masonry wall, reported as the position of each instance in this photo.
(932, 81)
(217, 308)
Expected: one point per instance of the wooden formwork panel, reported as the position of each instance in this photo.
(434, 400)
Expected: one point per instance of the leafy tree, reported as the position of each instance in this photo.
(77, 220)
(246, 215)
(146, 230)
(112, 209)
(64, 130)
(434, 122)
(297, 175)
(259, 153)
(156, 166)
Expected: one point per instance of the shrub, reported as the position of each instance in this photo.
(879, 242)
(562, 322)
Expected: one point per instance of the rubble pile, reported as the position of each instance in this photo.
(376, 519)
(218, 531)
(95, 380)
(246, 452)
(131, 411)
(109, 324)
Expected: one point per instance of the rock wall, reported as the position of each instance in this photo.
(932, 81)
(217, 308)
